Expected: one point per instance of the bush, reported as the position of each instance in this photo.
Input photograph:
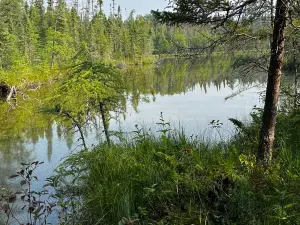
(174, 179)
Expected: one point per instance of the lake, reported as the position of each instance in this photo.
(189, 94)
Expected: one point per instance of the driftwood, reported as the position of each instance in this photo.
(12, 97)
(10, 93)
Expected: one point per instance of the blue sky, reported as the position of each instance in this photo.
(140, 6)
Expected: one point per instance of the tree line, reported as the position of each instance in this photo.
(53, 33)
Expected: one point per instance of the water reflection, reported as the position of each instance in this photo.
(192, 92)
(175, 76)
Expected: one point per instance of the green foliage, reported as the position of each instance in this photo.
(90, 89)
(174, 179)
(38, 205)
(35, 35)
(51, 35)
(88, 84)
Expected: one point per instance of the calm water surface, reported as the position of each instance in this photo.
(188, 93)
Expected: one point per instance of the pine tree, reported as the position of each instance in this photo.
(10, 31)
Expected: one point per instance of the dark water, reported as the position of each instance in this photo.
(188, 93)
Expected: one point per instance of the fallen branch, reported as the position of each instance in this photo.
(12, 96)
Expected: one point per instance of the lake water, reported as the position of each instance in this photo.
(187, 93)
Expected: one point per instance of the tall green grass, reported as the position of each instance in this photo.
(175, 179)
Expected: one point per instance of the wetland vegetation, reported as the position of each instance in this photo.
(151, 119)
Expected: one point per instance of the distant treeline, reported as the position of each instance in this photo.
(53, 33)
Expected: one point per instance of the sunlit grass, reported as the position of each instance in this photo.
(172, 178)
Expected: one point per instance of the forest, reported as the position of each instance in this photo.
(183, 116)
(52, 34)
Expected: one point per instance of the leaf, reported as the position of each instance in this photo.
(237, 123)
(21, 172)
(164, 138)
(23, 182)
(47, 185)
(120, 222)
(289, 205)
(164, 131)
(41, 163)
(35, 177)
(37, 211)
(24, 164)
(23, 197)
(13, 176)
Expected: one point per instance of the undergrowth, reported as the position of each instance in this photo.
(175, 179)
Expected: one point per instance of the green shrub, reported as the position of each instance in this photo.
(173, 179)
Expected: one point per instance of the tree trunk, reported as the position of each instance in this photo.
(105, 125)
(295, 73)
(53, 45)
(77, 124)
(267, 131)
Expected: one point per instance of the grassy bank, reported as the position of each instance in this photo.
(175, 179)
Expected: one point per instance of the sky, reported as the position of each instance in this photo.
(141, 7)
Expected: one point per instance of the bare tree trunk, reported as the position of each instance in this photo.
(52, 55)
(77, 124)
(102, 111)
(267, 131)
(295, 72)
